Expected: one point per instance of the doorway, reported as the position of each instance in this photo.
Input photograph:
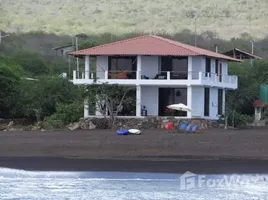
(168, 96)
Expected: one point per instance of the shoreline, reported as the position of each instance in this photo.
(219, 166)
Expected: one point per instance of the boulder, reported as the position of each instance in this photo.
(73, 126)
(91, 125)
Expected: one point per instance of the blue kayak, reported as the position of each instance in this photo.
(122, 132)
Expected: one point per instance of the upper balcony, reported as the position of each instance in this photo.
(162, 78)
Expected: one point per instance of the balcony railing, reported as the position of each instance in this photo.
(197, 77)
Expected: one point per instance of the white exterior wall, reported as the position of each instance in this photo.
(101, 66)
(224, 67)
(198, 102)
(149, 66)
(150, 98)
(197, 66)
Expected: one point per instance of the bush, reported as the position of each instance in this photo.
(242, 120)
(50, 123)
(68, 113)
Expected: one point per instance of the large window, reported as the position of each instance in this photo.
(206, 102)
(220, 102)
(122, 67)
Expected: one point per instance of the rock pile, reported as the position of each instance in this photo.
(142, 123)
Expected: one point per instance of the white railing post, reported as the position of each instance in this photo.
(106, 75)
(168, 75)
(74, 75)
(138, 75)
(190, 75)
(200, 76)
(83, 75)
(190, 67)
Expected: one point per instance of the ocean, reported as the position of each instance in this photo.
(35, 185)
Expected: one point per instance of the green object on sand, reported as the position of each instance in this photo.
(264, 93)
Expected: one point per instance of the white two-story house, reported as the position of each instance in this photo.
(164, 72)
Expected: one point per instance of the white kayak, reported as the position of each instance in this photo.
(134, 131)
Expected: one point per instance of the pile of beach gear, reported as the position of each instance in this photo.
(128, 132)
(184, 127)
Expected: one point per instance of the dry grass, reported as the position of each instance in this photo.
(228, 18)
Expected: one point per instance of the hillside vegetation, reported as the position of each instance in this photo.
(228, 18)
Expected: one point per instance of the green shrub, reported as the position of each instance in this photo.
(50, 123)
(242, 120)
(68, 113)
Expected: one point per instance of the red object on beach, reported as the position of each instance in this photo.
(170, 126)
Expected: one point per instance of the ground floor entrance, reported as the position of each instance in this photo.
(168, 96)
(206, 102)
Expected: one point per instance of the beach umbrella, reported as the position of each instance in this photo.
(180, 107)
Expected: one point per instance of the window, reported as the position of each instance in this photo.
(208, 66)
(122, 67)
(220, 102)
(206, 102)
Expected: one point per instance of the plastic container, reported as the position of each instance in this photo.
(264, 93)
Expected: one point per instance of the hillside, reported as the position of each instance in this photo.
(228, 18)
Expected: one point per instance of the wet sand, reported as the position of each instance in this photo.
(213, 151)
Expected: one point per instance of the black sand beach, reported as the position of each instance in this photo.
(213, 151)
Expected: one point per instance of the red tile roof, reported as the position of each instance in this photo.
(258, 104)
(149, 46)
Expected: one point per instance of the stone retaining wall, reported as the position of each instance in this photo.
(144, 123)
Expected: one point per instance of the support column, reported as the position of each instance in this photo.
(86, 108)
(223, 101)
(87, 67)
(190, 67)
(138, 73)
(189, 100)
(138, 100)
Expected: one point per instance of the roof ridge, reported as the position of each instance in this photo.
(173, 43)
(112, 43)
(188, 47)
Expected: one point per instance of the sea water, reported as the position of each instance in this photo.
(29, 185)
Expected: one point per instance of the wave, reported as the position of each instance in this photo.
(95, 176)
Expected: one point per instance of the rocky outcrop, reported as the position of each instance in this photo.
(143, 123)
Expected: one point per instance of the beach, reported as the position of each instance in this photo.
(211, 151)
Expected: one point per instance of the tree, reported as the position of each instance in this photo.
(108, 99)
(239, 103)
(45, 93)
(9, 80)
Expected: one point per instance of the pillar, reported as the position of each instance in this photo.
(138, 74)
(223, 101)
(138, 100)
(190, 67)
(189, 100)
(87, 67)
(86, 108)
